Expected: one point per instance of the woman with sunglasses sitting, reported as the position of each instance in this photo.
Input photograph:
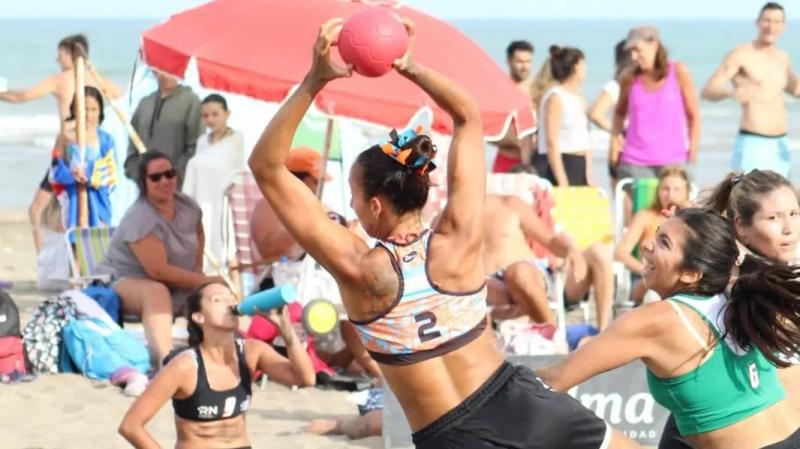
(156, 255)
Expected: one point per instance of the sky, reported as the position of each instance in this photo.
(446, 9)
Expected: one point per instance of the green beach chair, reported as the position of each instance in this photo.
(88, 247)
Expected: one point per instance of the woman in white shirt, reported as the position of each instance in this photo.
(603, 108)
(220, 155)
(564, 157)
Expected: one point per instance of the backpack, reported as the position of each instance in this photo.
(9, 316)
(98, 349)
(42, 334)
(12, 354)
(12, 359)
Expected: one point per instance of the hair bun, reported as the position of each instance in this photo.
(421, 147)
(555, 50)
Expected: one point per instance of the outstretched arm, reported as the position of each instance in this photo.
(629, 337)
(296, 206)
(46, 86)
(717, 89)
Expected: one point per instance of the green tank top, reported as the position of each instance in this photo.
(730, 385)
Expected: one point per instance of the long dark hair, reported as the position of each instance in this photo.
(193, 306)
(89, 92)
(763, 310)
(141, 172)
(563, 61)
(741, 195)
(404, 186)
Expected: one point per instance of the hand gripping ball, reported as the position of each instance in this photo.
(371, 40)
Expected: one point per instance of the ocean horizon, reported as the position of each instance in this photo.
(28, 47)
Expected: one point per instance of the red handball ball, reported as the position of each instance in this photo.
(371, 40)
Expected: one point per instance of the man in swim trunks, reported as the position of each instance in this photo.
(511, 149)
(760, 73)
(62, 87)
(509, 226)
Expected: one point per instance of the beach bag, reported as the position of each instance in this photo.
(9, 316)
(12, 353)
(12, 357)
(42, 335)
(98, 349)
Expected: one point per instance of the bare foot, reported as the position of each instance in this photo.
(321, 426)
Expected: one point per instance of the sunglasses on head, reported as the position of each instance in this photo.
(169, 174)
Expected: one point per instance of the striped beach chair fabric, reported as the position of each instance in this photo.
(90, 248)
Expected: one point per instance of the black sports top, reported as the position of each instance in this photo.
(206, 404)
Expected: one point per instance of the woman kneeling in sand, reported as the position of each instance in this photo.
(209, 383)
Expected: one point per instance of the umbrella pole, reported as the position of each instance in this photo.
(326, 151)
(80, 129)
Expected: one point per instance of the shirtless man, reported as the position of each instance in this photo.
(760, 74)
(518, 282)
(62, 87)
(511, 150)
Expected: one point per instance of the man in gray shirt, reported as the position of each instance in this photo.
(168, 120)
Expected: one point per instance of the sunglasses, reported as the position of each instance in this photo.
(169, 174)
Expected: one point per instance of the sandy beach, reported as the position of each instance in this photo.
(67, 411)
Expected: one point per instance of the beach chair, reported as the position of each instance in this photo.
(643, 193)
(239, 201)
(86, 248)
(584, 213)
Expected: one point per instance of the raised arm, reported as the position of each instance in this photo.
(338, 250)
(46, 86)
(466, 171)
(716, 88)
(297, 369)
(692, 106)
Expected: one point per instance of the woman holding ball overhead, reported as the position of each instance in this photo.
(442, 363)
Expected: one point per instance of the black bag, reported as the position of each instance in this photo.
(9, 316)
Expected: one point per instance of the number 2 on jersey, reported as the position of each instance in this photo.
(426, 330)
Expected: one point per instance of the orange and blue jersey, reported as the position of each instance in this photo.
(424, 321)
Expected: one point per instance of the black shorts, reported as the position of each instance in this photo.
(574, 167)
(45, 184)
(514, 409)
(793, 442)
(671, 438)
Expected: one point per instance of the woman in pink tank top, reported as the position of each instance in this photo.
(657, 98)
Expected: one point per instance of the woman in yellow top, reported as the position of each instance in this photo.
(673, 189)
